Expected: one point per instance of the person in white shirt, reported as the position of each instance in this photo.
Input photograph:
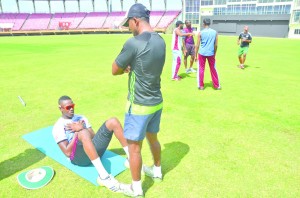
(178, 46)
(77, 140)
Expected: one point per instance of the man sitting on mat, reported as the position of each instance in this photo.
(77, 140)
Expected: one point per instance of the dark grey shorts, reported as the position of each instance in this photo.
(190, 48)
(101, 141)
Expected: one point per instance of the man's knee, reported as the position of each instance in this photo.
(84, 135)
(134, 146)
(112, 123)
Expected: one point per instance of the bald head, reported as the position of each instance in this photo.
(246, 28)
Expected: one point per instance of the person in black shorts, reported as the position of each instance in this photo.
(77, 140)
(189, 47)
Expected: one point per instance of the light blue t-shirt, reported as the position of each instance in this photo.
(208, 38)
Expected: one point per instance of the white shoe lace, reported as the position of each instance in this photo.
(111, 183)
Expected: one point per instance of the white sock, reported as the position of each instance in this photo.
(156, 170)
(100, 168)
(137, 187)
(126, 151)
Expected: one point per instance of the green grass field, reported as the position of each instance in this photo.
(241, 141)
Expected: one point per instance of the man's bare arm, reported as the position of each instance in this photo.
(197, 46)
(66, 147)
(116, 70)
(216, 44)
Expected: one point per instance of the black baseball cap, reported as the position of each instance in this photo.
(206, 21)
(178, 23)
(137, 10)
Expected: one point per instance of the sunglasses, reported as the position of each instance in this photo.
(68, 107)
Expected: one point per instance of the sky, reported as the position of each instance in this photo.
(85, 5)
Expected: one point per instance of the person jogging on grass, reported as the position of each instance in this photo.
(243, 41)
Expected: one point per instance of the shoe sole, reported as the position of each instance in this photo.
(155, 179)
(102, 185)
(129, 195)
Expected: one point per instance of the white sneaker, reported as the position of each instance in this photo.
(188, 71)
(111, 183)
(150, 173)
(193, 70)
(126, 163)
(128, 191)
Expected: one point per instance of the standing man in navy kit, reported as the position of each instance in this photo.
(143, 56)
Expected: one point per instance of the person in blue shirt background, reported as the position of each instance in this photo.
(208, 49)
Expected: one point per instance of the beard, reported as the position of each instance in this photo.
(135, 32)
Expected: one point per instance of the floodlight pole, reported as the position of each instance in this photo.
(121, 5)
(18, 6)
(1, 6)
(49, 6)
(107, 5)
(93, 2)
(150, 2)
(64, 3)
(78, 5)
(34, 6)
(183, 10)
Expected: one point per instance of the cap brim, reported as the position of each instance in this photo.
(36, 178)
(125, 22)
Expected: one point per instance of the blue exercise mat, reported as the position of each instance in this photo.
(43, 140)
